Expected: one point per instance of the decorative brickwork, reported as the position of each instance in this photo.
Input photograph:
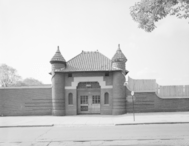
(119, 60)
(77, 80)
(151, 102)
(25, 101)
(119, 65)
(119, 94)
(58, 95)
(97, 68)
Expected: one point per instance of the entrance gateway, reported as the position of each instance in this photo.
(88, 94)
(89, 83)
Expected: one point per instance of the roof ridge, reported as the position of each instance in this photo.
(85, 53)
(97, 52)
(90, 51)
(104, 56)
(75, 56)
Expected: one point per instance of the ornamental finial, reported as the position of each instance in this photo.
(118, 46)
(58, 49)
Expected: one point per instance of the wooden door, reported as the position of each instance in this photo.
(95, 104)
(88, 98)
(83, 104)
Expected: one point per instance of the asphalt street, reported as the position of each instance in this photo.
(156, 134)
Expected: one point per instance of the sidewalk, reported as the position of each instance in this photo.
(95, 120)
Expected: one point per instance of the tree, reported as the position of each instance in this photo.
(147, 12)
(31, 82)
(8, 76)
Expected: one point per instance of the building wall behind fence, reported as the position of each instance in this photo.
(150, 85)
(142, 85)
(174, 91)
(25, 101)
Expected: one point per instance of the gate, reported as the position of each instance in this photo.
(88, 98)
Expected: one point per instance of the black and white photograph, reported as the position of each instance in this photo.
(94, 72)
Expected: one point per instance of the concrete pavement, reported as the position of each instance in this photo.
(158, 135)
(96, 130)
(95, 120)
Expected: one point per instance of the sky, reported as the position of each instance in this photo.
(31, 30)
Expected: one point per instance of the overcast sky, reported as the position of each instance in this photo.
(31, 30)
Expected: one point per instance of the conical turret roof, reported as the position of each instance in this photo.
(119, 56)
(58, 57)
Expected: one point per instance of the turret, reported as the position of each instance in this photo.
(58, 84)
(119, 60)
(58, 61)
(119, 90)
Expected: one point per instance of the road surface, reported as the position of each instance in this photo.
(164, 134)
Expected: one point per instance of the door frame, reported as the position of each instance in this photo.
(88, 92)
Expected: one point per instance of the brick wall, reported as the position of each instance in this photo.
(119, 101)
(58, 94)
(28, 101)
(105, 109)
(151, 102)
(108, 79)
(25, 101)
(71, 109)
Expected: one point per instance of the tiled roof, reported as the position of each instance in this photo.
(119, 56)
(89, 61)
(58, 57)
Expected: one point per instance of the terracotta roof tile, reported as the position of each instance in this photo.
(58, 57)
(89, 61)
(119, 56)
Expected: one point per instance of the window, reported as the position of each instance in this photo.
(96, 99)
(83, 99)
(106, 74)
(70, 98)
(106, 98)
(69, 75)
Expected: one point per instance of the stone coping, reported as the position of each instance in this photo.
(26, 87)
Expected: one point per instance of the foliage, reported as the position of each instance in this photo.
(31, 82)
(147, 12)
(8, 76)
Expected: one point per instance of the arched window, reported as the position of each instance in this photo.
(106, 98)
(70, 98)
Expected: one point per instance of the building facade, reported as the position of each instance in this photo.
(89, 83)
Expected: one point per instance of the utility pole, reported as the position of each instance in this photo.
(132, 94)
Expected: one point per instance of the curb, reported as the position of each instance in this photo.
(122, 124)
(23, 126)
(151, 123)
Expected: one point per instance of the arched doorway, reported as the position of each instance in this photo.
(88, 95)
